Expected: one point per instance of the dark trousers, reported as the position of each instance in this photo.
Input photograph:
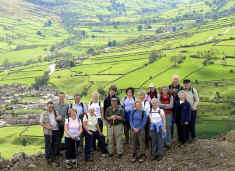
(61, 131)
(51, 145)
(127, 128)
(192, 125)
(183, 132)
(71, 148)
(100, 122)
(89, 139)
(147, 133)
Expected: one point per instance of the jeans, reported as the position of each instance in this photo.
(51, 145)
(168, 141)
(157, 143)
(100, 122)
(89, 139)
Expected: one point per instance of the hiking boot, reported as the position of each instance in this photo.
(55, 164)
(141, 158)
(159, 158)
(119, 156)
(153, 158)
(104, 155)
(68, 166)
(133, 160)
(49, 162)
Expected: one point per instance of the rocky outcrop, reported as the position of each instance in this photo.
(21, 161)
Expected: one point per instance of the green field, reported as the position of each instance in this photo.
(111, 42)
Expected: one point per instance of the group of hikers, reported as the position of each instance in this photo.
(145, 121)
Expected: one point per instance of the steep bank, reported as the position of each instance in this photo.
(216, 154)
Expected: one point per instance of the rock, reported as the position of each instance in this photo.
(19, 156)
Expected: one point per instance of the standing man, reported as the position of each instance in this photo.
(61, 110)
(112, 93)
(192, 97)
(114, 117)
(174, 88)
(138, 119)
(79, 106)
(51, 133)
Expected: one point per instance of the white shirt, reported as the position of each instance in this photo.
(97, 106)
(91, 122)
(155, 115)
(146, 107)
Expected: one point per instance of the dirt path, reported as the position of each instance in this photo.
(52, 68)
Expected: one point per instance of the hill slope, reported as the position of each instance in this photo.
(216, 154)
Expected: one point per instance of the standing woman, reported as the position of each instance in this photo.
(183, 117)
(152, 93)
(92, 131)
(145, 107)
(98, 107)
(166, 102)
(128, 103)
(73, 130)
(157, 130)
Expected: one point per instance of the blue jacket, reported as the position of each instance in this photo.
(185, 112)
(138, 119)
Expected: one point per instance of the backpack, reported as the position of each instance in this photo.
(126, 98)
(92, 103)
(134, 114)
(83, 111)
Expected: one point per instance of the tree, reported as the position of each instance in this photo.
(154, 56)
(41, 80)
(6, 63)
(90, 51)
(140, 27)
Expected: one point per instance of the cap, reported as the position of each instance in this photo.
(186, 81)
(151, 85)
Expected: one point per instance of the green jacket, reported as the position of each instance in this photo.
(109, 112)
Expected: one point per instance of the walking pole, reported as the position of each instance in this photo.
(76, 153)
(113, 139)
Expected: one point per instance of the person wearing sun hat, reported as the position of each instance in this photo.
(152, 92)
(192, 97)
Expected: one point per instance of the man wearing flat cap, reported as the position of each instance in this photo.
(114, 118)
(192, 97)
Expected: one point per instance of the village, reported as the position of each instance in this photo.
(22, 106)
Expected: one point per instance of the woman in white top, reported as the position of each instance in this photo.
(157, 129)
(73, 130)
(92, 131)
(98, 107)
